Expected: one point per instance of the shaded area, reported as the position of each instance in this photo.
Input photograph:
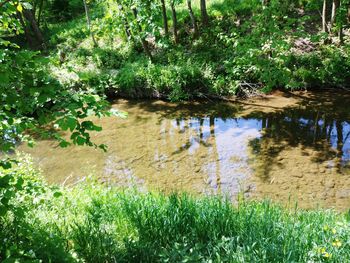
(321, 123)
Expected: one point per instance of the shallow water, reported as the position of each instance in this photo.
(286, 147)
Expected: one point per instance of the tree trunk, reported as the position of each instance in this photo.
(335, 5)
(29, 16)
(125, 21)
(40, 12)
(27, 32)
(143, 40)
(193, 19)
(165, 18)
(34, 6)
(173, 13)
(88, 21)
(324, 17)
(340, 32)
(204, 14)
(341, 35)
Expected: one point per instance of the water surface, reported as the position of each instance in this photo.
(287, 147)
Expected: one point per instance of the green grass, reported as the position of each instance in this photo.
(94, 223)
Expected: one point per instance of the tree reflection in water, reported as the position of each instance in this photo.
(214, 146)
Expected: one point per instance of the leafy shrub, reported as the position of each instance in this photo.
(22, 191)
(107, 58)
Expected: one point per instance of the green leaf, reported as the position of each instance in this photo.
(19, 183)
(19, 212)
(3, 210)
(5, 164)
(90, 126)
(64, 144)
(66, 123)
(57, 194)
(80, 140)
(5, 180)
(71, 123)
(104, 147)
(30, 144)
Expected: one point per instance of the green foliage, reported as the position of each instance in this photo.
(250, 46)
(246, 43)
(34, 102)
(9, 27)
(92, 223)
(22, 190)
(65, 9)
(32, 98)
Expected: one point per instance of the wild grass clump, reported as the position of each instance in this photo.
(94, 223)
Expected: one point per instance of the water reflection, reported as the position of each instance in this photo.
(301, 150)
(326, 134)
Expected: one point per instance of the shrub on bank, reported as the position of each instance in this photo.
(182, 78)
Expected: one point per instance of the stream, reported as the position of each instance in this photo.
(288, 147)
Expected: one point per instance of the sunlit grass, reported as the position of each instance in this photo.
(93, 223)
(107, 224)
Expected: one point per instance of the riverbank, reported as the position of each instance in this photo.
(197, 76)
(93, 223)
(241, 52)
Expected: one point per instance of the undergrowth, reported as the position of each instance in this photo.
(242, 48)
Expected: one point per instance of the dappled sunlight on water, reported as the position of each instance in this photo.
(290, 147)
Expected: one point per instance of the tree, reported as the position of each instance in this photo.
(138, 19)
(339, 17)
(26, 18)
(32, 100)
(193, 18)
(142, 34)
(174, 17)
(124, 20)
(324, 17)
(165, 18)
(204, 14)
(40, 10)
(88, 21)
(335, 6)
